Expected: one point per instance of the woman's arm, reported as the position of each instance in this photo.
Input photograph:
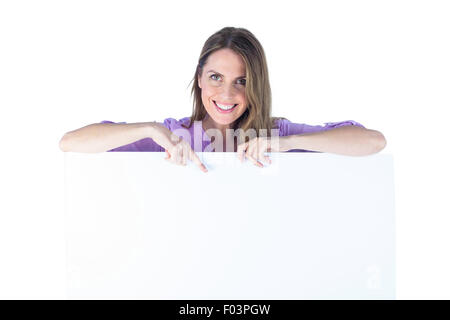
(345, 140)
(101, 137)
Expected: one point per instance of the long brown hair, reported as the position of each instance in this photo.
(257, 90)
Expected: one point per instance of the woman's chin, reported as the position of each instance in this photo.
(223, 122)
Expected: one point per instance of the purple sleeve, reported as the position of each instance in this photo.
(146, 144)
(288, 128)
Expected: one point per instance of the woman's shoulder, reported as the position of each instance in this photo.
(279, 123)
(173, 123)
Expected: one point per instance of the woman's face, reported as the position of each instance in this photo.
(223, 82)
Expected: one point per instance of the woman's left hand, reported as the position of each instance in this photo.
(255, 148)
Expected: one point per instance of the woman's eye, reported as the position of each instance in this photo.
(215, 75)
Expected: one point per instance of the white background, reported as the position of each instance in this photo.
(66, 64)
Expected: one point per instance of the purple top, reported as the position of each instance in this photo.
(286, 128)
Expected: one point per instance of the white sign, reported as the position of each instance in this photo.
(308, 226)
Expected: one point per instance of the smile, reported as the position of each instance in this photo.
(224, 108)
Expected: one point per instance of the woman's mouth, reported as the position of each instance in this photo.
(224, 108)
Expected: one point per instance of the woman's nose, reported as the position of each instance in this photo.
(228, 92)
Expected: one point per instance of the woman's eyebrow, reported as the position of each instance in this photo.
(223, 75)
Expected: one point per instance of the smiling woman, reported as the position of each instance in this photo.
(232, 71)
(232, 106)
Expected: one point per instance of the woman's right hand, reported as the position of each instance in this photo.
(177, 150)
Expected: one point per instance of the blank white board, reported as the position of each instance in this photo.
(308, 226)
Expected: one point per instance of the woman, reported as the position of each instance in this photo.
(232, 112)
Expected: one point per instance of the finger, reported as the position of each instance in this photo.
(183, 156)
(252, 159)
(194, 158)
(261, 149)
(264, 158)
(252, 150)
(180, 154)
(167, 155)
(172, 156)
(241, 151)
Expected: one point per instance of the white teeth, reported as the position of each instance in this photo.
(224, 107)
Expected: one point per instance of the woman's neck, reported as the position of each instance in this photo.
(209, 123)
